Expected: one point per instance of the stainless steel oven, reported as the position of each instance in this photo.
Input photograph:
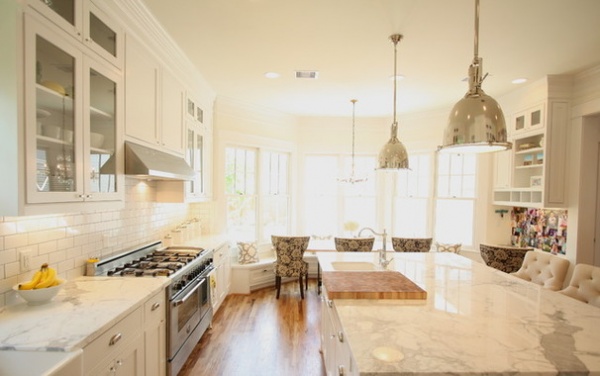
(190, 313)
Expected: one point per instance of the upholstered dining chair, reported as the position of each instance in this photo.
(584, 284)
(543, 269)
(503, 257)
(411, 244)
(354, 244)
(289, 263)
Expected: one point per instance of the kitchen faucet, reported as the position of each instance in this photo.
(383, 261)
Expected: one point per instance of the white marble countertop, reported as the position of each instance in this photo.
(81, 311)
(476, 320)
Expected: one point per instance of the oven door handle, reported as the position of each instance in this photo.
(186, 297)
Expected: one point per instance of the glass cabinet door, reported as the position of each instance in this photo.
(104, 36)
(64, 13)
(101, 113)
(53, 88)
(195, 157)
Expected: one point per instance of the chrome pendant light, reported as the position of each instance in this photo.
(476, 123)
(393, 155)
(352, 179)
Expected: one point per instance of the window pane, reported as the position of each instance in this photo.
(454, 221)
(360, 210)
(321, 215)
(241, 217)
(410, 217)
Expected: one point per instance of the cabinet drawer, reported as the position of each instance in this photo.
(155, 309)
(113, 340)
(220, 254)
(263, 274)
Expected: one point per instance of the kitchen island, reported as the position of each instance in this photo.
(476, 320)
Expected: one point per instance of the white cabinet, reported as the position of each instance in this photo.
(155, 334)
(73, 116)
(528, 120)
(220, 279)
(154, 100)
(119, 350)
(337, 356)
(84, 21)
(534, 174)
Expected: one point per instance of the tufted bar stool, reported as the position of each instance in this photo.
(543, 269)
(289, 263)
(584, 284)
(502, 257)
(354, 244)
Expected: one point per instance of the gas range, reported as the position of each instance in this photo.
(181, 264)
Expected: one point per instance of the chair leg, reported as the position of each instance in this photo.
(278, 284)
(301, 287)
(306, 282)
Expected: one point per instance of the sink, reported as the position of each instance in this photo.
(352, 266)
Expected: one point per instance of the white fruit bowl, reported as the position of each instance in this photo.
(40, 296)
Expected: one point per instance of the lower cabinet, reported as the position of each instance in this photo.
(119, 350)
(220, 279)
(136, 345)
(337, 356)
(155, 335)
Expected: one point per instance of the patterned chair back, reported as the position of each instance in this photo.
(411, 244)
(289, 251)
(505, 258)
(354, 244)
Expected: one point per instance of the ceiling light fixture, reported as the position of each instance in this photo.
(518, 81)
(352, 179)
(393, 155)
(272, 75)
(476, 123)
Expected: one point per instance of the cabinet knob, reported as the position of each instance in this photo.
(340, 370)
(155, 306)
(341, 336)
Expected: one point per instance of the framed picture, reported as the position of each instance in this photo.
(535, 181)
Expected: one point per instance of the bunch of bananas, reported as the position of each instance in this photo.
(45, 277)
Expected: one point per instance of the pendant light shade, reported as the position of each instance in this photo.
(393, 155)
(476, 123)
(352, 179)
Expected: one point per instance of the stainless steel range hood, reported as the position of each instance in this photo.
(144, 162)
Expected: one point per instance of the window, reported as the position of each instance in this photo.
(275, 196)
(251, 217)
(412, 198)
(332, 207)
(455, 203)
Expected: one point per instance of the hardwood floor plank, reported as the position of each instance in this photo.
(257, 334)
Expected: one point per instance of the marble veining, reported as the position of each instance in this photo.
(476, 320)
(81, 311)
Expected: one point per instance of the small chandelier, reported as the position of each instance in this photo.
(476, 123)
(352, 178)
(393, 155)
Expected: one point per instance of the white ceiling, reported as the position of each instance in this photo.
(234, 42)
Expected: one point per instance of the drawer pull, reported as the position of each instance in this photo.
(114, 339)
(155, 306)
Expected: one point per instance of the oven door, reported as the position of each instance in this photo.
(185, 313)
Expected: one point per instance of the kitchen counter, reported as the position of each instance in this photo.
(81, 311)
(476, 320)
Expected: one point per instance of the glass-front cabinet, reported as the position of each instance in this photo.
(198, 156)
(83, 20)
(72, 114)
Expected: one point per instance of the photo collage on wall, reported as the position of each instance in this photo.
(544, 229)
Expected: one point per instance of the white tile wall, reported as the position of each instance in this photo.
(66, 241)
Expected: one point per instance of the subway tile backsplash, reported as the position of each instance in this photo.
(66, 241)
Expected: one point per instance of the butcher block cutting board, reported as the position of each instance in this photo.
(371, 285)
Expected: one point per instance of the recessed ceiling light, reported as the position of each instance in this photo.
(519, 81)
(313, 75)
(272, 75)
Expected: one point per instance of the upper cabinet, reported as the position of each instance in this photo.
(84, 21)
(533, 173)
(155, 101)
(72, 116)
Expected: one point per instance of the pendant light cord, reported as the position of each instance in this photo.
(353, 137)
(476, 48)
(395, 39)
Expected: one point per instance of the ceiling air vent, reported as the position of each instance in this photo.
(307, 74)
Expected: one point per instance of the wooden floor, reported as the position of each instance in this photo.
(257, 334)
